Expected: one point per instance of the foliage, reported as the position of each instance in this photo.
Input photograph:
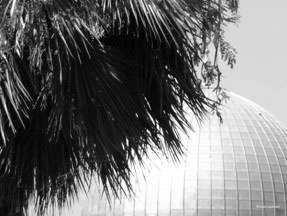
(88, 86)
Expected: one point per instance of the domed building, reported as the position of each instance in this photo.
(238, 167)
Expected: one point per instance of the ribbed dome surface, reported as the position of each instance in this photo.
(235, 168)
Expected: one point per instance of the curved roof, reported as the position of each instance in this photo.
(235, 168)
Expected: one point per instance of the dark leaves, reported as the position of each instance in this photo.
(87, 87)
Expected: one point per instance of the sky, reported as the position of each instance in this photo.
(260, 39)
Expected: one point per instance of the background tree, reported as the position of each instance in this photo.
(88, 86)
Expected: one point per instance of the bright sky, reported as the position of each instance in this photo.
(261, 41)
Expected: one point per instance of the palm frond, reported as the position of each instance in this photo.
(87, 87)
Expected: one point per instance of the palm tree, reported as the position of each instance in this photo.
(88, 86)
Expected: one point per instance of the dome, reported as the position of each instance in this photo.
(238, 167)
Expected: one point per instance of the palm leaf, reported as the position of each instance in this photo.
(87, 87)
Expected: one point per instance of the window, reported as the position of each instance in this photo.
(251, 158)
(256, 195)
(257, 211)
(238, 149)
(272, 159)
(264, 168)
(230, 194)
(240, 158)
(275, 169)
(259, 150)
(218, 166)
(217, 183)
(262, 160)
(244, 204)
(189, 211)
(137, 212)
(282, 162)
(267, 186)
(279, 197)
(246, 142)
(204, 212)
(255, 185)
(204, 204)
(204, 183)
(192, 204)
(269, 150)
(280, 210)
(230, 175)
(270, 211)
(173, 212)
(255, 204)
(276, 177)
(218, 203)
(253, 167)
(237, 142)
(241, 166)
(230, 184)
(243, 184)
(229, 166)
(279, 187)
(227, 149)
(231, 204)
(217, 194)
(204, 194)
(242, 175)
(217, 212)
(278, 152)
(266, 177)
(203, 173)
(204, 160)
(230, 212)
(217, 157)
(217, 174)
(243, 194)
(268, 196)
(243, 212)
(249, 149)
(254, 176)
(228, 158)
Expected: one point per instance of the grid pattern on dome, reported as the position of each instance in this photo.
(235, 168)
